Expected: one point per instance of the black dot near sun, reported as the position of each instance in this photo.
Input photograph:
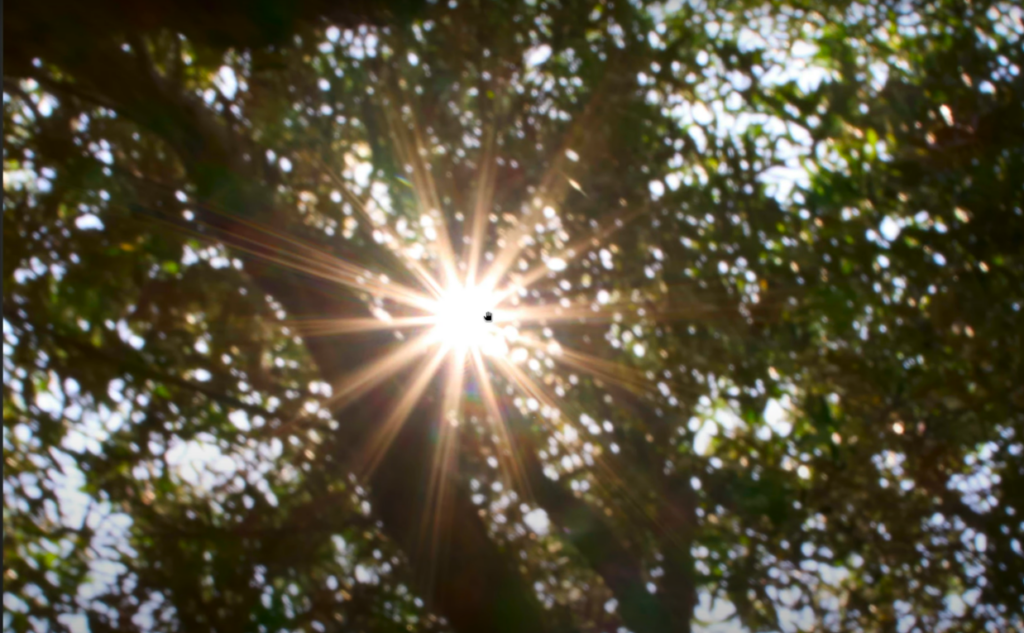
(488, 316)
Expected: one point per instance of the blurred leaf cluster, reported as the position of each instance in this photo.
(809, 413)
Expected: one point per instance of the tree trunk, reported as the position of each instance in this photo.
(589, 533)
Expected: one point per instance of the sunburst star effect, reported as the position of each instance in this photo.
(439, 313)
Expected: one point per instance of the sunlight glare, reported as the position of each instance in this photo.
(460, 319)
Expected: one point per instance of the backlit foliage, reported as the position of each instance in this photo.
(757, 360)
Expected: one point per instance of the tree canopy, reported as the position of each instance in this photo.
(756, 276)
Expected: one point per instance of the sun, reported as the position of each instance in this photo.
(461, 318)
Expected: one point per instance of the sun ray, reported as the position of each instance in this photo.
(316, 263)
(628, 378)
(444, 466)
(362, 380)
(419, 271)
(348, 275)
(567, 254)
(484, 199)
(514, 245)
(551, 191)
(411, 152)
(703, 305)
(508, 456)
(606, 475)
(377, 371)
(531, 388)
(334, 327)
(323, 266)
(377, 445)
